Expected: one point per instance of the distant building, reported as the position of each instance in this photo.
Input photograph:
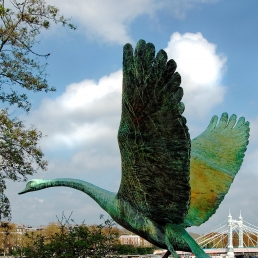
(134, 240)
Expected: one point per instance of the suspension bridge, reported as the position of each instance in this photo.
(232, 238)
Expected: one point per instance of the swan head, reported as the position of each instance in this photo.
(32, 186)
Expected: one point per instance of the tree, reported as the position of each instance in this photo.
(51, 230)
(73, 240)
(21, 69)
(8, 237)
(67, 239)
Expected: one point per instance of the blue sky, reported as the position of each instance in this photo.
(215, 46)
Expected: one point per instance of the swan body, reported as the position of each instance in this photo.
(168, 181)
(123, 213)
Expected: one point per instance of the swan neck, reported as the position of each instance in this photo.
(103, 197)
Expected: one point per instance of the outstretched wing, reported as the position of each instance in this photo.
(216, 157)
(153, 136)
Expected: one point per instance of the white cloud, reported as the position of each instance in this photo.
(39, 200)
(81, 127)
(110, 20)
(201, 69)
(105, 20)
(84, 113)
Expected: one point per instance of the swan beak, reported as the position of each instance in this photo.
(24, 191)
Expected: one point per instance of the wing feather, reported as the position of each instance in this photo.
(153, 137)
(216, 157)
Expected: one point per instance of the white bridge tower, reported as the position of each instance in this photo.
(232, 223)
(223, 235)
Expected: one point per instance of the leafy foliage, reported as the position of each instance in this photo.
(18, 31)
(18, 148)
(21, 69)
(19, 153)
(73, 240)
(130, 249)
(67, 239)
(5, 207)
(8, 237)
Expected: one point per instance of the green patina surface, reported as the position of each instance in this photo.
(153, 137)
(216, 157)
(168, 182)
